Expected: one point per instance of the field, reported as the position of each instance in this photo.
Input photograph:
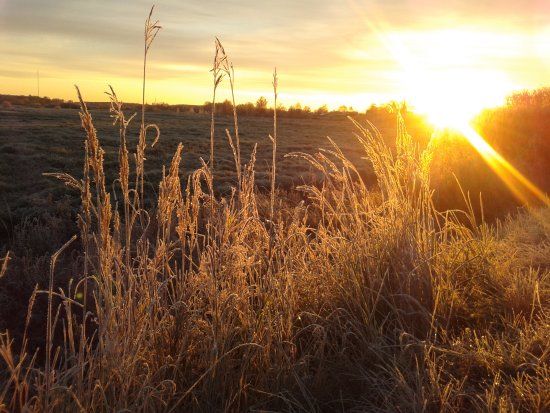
(365, 297)
(51, 140)
(47, 140)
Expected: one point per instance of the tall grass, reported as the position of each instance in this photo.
(354, 298)
(4, 266)
(274, 142)
(150, 33)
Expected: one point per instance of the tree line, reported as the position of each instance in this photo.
(259, 108)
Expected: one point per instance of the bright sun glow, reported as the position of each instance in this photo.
(444, 81)
(527, 192)
(453, 97)
(451, 100)
(445, 77)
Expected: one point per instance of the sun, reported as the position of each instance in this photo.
(445, 74)
(446, 82)
(451, 98)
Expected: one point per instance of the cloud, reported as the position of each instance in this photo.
(332, 47)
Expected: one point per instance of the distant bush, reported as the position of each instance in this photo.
(537, 98)
(520, 132)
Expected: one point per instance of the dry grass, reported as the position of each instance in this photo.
(354, 298)
(4, 264)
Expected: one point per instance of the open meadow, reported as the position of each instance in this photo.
(39, 140)
(35, 141)
(363, 297)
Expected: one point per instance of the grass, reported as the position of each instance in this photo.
(334, 296)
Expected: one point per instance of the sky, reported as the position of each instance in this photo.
(347, 52)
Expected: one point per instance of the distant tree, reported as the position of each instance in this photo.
(377, 112)
(295, 110)
(322, 110)
(261, 104)
(222, 108)
(246, 108)
(530, 98)
(225, 107)
(343, 108)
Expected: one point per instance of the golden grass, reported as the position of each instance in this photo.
(4, 266)
(354, 298)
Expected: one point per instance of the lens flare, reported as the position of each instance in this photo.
(526, 191)
(450, 93)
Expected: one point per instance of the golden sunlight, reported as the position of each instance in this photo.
(445, 78)
(274, 205)
(451, 98)
(526, 191)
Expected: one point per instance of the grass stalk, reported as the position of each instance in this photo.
(274, 145)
